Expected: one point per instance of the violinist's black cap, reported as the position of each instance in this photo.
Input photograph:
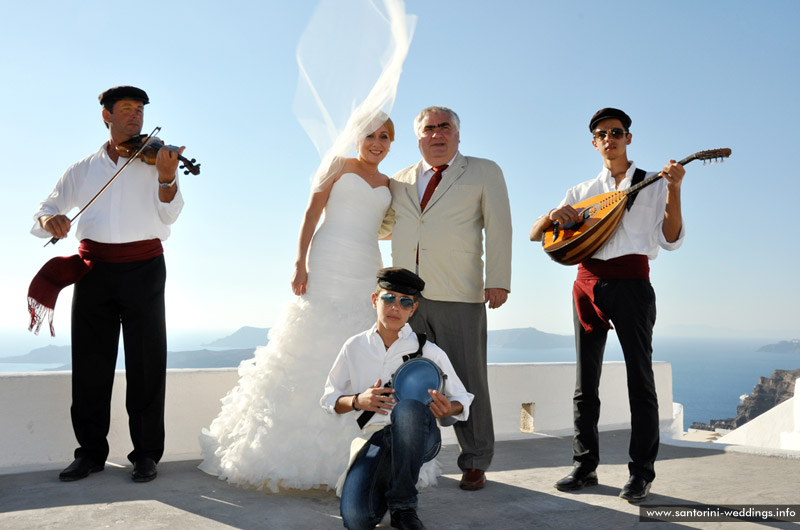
(608, 112)
(112, 95)
(400, 280)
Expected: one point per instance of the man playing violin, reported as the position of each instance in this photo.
(614, 286)
(119, 276)
(399, 436)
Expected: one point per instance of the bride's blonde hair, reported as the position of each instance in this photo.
(390, 128)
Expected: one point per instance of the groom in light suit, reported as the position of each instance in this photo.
(441, 208)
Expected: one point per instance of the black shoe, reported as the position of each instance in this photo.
(635, 490)
(579, 478)
(80, 468)
(406, 520)
(144, 470)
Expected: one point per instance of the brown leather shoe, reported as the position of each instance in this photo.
(472, 479)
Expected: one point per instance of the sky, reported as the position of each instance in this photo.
(524, 77)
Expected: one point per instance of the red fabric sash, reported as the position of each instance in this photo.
(63, 271)
(629, 267)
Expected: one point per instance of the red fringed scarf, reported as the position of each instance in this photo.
(63, 271)
(630, 267)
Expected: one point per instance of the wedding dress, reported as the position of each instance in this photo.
(271, 432)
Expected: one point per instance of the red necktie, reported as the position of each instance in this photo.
(435, 180)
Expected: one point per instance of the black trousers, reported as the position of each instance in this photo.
(110, 296)
(631, 307)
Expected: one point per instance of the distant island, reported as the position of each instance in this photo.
(784, 346)
(175, 359)
(244, 337)
(528, 339)
(45, 355)
(231, 350)
(227, 352)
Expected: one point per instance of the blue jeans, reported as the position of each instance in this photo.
(384, 474)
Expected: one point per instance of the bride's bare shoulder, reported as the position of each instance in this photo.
(339, 166)
(349, 165)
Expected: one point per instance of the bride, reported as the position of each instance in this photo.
(271, 432)
(349, 239)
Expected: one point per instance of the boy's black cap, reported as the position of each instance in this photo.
(608, 112)
(112, 95)
(400, 280)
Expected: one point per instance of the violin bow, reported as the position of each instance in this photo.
(147, 141)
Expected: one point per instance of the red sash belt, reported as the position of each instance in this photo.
(63, 271)
(630, 267)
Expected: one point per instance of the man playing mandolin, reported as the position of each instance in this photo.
(613, 285)
(119, 276)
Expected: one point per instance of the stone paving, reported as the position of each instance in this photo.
(519, 494)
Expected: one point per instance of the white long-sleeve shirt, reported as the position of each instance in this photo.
(364, 359)
(640, 231)
(129, 210)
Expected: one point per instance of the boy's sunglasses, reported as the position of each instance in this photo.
(615, 133)
(405, 301)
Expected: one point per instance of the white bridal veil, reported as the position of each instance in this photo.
(350, 58)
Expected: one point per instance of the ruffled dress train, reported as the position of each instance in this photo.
(271, 432)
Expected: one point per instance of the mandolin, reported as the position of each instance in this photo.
(600, 215)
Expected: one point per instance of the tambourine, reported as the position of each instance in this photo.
(413, 379)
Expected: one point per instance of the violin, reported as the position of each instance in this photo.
(129, 148)
(144, 146)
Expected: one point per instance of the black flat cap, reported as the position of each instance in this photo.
(400, 280)
(608, 112)
(112, 95)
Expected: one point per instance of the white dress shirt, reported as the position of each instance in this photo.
(364, 359)
(129, 210)
(640, 231)
(426, 174)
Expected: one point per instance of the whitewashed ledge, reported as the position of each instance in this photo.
(528, 400)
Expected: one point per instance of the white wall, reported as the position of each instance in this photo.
(550, 386)
(777, 428)
(36, 431)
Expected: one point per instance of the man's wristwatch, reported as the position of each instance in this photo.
(167, 185)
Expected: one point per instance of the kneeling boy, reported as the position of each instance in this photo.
(400, 435)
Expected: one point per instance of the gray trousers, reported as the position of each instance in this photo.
(460, 330)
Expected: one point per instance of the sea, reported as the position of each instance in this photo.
(710, 376)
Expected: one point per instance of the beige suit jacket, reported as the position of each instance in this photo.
(471, 199)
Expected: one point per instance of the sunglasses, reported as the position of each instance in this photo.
(616, 133)
(405, 301)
